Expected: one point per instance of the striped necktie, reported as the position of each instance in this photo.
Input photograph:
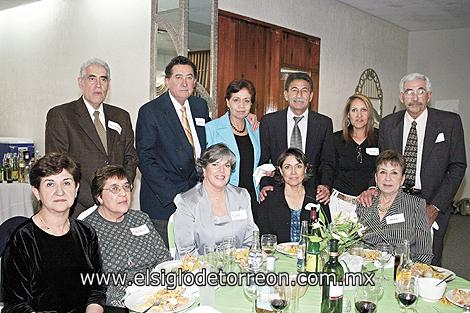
(296, 136)
(411, 156)
(100, 130)
(186, 127)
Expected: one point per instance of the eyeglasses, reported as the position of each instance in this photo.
(411, 92)
(116, 189)
(359, 154)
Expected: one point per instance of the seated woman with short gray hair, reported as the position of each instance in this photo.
(213, 209)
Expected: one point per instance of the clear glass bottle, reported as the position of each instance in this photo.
(403, 271)
(332, 292)
(14, 167)
(255, 256)
(263, 294)
(302, 248)
(21, 168)
(313, 262)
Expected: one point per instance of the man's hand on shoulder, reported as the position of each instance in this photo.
(264, 192)
(365, 198)
(323, 194)
(432, 213)
(253, 120)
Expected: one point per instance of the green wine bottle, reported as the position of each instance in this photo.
(332, 292)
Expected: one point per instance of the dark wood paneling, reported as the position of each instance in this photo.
(257, 51)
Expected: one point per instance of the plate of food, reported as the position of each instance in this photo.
(425, 270)
(241, 256)
(160, 300)
(189, 263)
(370, 255)
(287, 248)
(459, 297)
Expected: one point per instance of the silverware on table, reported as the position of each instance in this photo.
(156, 303)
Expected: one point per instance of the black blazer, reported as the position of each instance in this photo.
(443, 163)
(165, 154)
(275, 214)
(273, 137)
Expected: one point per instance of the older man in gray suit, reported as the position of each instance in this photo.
(92, 132)
(433, 144)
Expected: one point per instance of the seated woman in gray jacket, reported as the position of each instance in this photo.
(213, 209)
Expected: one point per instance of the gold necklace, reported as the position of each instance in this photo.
(50, 228)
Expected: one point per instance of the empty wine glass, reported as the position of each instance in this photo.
(365, 299)
(407, 292)
(250, 289)
(268, 243)
(384, 256)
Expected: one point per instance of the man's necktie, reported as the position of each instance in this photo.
(186, 127)
(296, 136)
(411, 155)
(100, 129)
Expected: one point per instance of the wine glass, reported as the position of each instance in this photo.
(407, 292)
(250, 290)
(365, 299)
(268, 243)
(385, 255)
(280, 298)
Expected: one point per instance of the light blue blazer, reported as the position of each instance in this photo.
(220, 131)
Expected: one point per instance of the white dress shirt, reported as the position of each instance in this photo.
(92, 110)
(420, 129)
(197, 146)
(303, 124)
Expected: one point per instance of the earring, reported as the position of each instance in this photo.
(348, 122)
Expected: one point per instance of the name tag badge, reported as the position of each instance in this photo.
(115, 126)
(140, 230)
(395, 219)
(372, 151)
(238, 215)
(200, 121)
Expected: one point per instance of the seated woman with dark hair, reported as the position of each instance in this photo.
(128, 240)
(395, 215)
(43, 264)
(283, 209)
(213, 210)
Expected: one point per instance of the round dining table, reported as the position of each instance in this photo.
(233, 300)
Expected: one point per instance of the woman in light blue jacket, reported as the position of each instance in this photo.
(233, 130)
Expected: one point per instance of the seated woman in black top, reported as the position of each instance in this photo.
(355, 150)
(283, 209)
(44, 261)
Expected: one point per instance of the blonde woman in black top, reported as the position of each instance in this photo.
(355, 150)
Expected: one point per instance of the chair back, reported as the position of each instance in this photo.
(7, 228)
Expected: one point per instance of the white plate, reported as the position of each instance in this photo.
(281, 248)
(135, 301)
(445, 272)
(169, 266)
(448, 295)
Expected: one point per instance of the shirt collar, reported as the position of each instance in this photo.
(176, 104)
(421, 118)
(291, 114)
(91, 109)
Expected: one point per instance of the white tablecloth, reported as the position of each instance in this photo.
(15, 200)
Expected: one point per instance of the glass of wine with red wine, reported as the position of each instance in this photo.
(407, 292)
(280, 298)
(366, 299)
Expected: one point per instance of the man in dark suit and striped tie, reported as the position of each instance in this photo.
(432, 142)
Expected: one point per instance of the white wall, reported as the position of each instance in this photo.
(43, 44)
(351, 41)
(444, 56)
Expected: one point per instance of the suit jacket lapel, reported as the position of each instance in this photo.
(430, 135)
(110, 133)
(200, 130)
(85, 122)
(396, 133)
(312, 134)
(174, 123)
(282, 128)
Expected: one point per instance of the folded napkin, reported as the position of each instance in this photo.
(261, 170)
